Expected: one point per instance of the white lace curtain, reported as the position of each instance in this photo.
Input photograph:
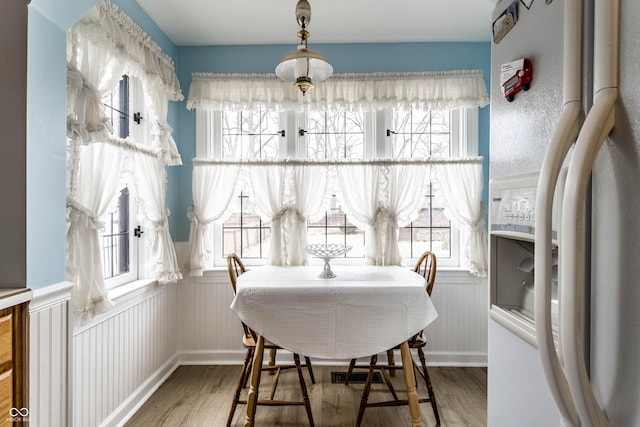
(422, 90)
(99, 169)
(380, 199)
(379, 196)
(461, 185)
(101, 47)
(288, 196)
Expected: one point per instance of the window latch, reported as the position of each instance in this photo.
(389, 132)
(301, 132)
(138, 231)
(281, 132)
(137, 117)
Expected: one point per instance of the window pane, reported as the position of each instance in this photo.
(249, 135)
(401, 146)
(316, 146)
(338, 135)
(401, 121)
(355, 146)
(335, 134)
(424, 134)
(440, 122)
(115, 238)
(116, 106)
(244, 233)
(422, 146)
(441, 145)
(420, 121)
(316, 122)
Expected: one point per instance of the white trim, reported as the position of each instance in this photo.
(14, 296)
(129, 407)
(236, 357)
(50, 296)
(124, 297)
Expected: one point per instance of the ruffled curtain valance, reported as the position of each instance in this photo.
(109, 29)
(379, 196)
(421, 90)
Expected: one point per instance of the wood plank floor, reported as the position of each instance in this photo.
(201, 396)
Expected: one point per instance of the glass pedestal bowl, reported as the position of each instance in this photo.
(327, 251)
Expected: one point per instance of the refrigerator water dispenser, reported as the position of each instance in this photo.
(512, 243)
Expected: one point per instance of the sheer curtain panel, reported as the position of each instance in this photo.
(381, 198)
(99, 169)
(311, 195)
(150, 181)
(360, 191)
(213, 190)
(461, 190)
(268, 190)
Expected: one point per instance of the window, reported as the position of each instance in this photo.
(248, 135)
(344, 134)
(335, 135)
(119, 239)
(117, 108)
(424, 134)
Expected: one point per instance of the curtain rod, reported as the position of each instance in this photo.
(337, 162)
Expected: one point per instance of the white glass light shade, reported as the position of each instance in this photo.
(294, 63)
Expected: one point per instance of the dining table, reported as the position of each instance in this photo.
(364, 310)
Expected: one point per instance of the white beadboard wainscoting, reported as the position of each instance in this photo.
(210, 331)
(49, 339)
(122, 357)
(100, 373)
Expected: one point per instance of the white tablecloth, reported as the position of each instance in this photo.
(363, 311)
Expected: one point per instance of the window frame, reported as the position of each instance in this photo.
(138, 132)
(464, 130)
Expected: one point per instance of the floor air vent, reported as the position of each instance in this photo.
(356, 377)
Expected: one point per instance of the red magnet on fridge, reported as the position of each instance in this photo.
(515, 76)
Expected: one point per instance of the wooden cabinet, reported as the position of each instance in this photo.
(13, 400)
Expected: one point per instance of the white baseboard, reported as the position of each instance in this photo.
(225, 357)
(466, 359)
(130, 406)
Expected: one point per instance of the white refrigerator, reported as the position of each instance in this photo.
(564, 327)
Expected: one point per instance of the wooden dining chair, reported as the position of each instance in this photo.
(426, 267)
(249, 340)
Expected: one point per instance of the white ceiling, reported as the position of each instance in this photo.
(233, 22)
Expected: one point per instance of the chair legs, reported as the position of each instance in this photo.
(424, 373)
(303, 387)
(307, 361)
(246, 367)
(352, 365)
(275, 370)
(427, 380)
(367, 388)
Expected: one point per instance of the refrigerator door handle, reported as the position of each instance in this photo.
(562, 138)
(561, 141)
(597, 126)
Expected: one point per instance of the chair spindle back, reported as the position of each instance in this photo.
(426, 267)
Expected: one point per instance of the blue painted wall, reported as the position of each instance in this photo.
(345, 58)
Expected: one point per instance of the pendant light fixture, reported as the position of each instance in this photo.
(303, 67)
